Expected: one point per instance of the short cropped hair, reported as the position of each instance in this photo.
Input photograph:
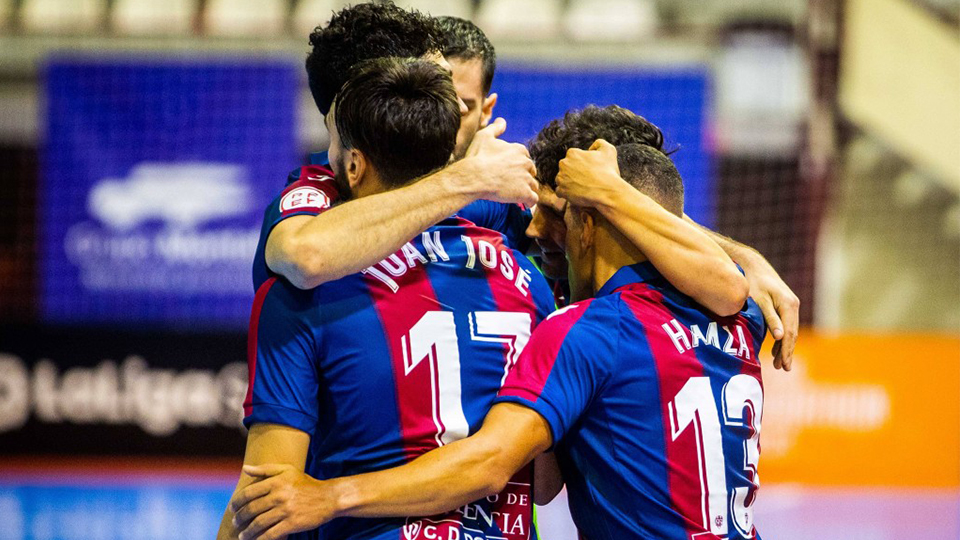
(402, 114)
(580, 128)
(364, 32)
(463, 40)
(651, 172)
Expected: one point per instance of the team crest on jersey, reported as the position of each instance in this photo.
(304, 197)
(428, 529)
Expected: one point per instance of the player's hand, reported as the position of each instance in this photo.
(780, 306)
(589, 178)
(503, 171)
(282, 500)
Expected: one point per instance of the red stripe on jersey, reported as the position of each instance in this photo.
(684, 470)
(530, 375)
(503, 278)
(417, 388)
(258, 300)
(507, 287)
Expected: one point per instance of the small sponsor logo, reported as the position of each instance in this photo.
(304, 197)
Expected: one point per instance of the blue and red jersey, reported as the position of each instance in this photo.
(382, 366)
(311, 190)
(654, 404)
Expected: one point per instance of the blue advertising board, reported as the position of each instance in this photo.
(155, 174)
(676, 99)
(154, 179)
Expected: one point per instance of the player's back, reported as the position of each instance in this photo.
(668, 448)
(409, 355)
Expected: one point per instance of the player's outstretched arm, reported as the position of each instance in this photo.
(681, 251)
(779, 304)
(266, 443)
(311, 250)
(440, 480)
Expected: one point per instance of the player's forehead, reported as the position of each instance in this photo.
(468, 74)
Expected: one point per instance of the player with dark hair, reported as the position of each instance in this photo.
(473, 61)
(628, 385)
(365, 32)
(309, 239)
(638, 219)
(309, 247)
(374, 369)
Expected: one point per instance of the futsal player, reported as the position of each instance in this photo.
(652, 403)
(309, 240)
(371, 370)
(311, 251)
(301, 245)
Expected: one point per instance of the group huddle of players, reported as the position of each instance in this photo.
(407, 358)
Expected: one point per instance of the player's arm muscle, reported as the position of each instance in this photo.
(682, 252)
(311, 250)
(438, 481)
(267, 443)
(452, 475)
(779, 304)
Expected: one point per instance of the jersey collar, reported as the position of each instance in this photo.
(319, 158)
(634, 273)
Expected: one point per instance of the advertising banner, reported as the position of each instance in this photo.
(99, 392)
(154, 180)
(864, 410)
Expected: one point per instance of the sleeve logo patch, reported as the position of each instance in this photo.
(304, 197)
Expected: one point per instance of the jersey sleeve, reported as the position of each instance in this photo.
(282, 356)
(511, 220)
(311, 192)
(562, 369)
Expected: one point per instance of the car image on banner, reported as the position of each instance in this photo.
(154, 180)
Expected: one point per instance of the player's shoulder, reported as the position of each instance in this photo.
(587, 328)
(310, 173)
(589, 316)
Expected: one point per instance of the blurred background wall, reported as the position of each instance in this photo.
(825, 133)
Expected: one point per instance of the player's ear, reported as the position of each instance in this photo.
(588, 228)
(356, 168)
(486, 111)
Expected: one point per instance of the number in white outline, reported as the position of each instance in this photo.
(694, 404)
(511, 328)
(434, 337)
(744, 391)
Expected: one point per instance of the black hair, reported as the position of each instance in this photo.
(402, 114)
(651, 172)
(364, 32)
(463, 40)
(580, 128)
